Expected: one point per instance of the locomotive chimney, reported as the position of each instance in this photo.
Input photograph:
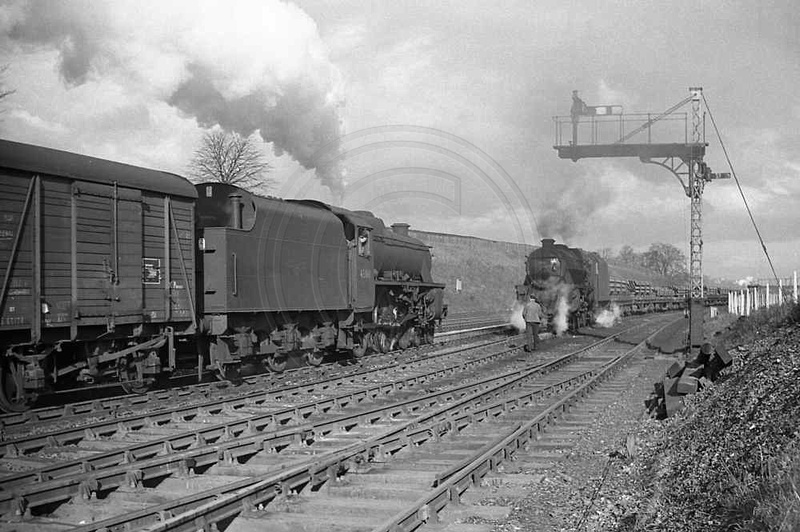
(548, 242)
(236, 210)
(401, 228)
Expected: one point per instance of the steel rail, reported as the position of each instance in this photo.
(225, 432)
(455, 483)
(59, 481)
(72, 435)
(210, 507)
(112, 404)
(239, 437)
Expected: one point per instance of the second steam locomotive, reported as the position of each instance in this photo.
(115, 273)
(574, 285)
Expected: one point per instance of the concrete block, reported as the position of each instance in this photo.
(673, 404)
(722, 354)
(686, 384)
(697, 371)
(670, 386)
(675, 369)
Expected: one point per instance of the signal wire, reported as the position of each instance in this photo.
(741, 192)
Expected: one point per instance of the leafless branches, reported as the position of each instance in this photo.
(4, 92)
(233, 159)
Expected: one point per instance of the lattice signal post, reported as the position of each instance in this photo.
(605, 131)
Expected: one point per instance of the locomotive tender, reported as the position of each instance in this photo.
(114, 273)
(582, 283)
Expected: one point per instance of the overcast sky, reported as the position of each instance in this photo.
(438, 114)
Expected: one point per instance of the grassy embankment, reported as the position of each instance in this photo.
(731, 460)
(488, 272)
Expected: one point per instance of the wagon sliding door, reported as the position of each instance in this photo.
(167, 260)
(108, 254)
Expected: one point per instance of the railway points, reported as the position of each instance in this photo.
(327, 441)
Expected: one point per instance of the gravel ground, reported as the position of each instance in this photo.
(588, 489)
(729, 461)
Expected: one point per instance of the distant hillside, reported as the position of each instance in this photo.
(488, 270)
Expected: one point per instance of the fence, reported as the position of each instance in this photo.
(761, 295)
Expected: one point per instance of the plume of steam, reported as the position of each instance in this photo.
(561, 316)
(559, 299)
(515, 318)
(608, 316)
(248, 66)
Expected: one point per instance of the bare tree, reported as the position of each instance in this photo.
(233, 159)
(665, 259)
(628, 256)
(4, 92)
(605, 253)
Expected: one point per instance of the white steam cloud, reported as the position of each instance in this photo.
(515, 318)
(608, 317)
(561, 317)
(248, 67)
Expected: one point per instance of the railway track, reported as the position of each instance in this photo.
(113, 405)
(471, 321)
(279, 457)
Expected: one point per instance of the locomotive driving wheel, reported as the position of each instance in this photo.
(359, 350)
(382, 342)
(314, 358)
(228, 372)
(276, 363)
(12, 387)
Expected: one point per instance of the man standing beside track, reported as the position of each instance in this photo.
(532, 314)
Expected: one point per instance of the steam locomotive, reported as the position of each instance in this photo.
(577, 284)
(115, 273)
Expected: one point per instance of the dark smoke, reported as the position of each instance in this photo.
(297, 121)
(257, 66)
(571, 210)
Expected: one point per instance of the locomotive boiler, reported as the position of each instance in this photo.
(286, 276)
(118, 274)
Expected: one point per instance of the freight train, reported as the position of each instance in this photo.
(118, 274)
(575, 285)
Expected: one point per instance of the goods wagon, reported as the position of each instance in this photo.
(115, 274)
(98, 269)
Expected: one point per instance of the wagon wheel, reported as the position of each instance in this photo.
(228, 373)
(359, 350)
(382, 342)
(129, 378)
(12, 388)
(314, 358)
(276, 363)
(405, 340)
(416, 341)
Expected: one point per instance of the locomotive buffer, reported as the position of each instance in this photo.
(607, 132)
